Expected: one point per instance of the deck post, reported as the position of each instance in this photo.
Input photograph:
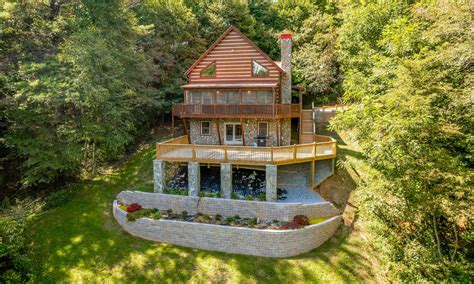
(159, 178)
(194, 179)
(311, 178)
(226, 180)
(271, 182)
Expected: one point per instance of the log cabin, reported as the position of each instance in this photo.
(238, 109)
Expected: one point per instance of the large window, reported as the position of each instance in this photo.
(264, 96)
(228, 97)
(209, 71)
(260, 97)
(207, 97)
(258, 70)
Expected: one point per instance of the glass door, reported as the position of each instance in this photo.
(233, 133)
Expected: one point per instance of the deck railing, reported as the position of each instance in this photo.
(236, 110)
(178, 150)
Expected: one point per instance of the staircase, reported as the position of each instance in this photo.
(307, 126)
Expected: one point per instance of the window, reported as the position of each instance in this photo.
(194, 97)
(249, 97)
(209, 71)
(264, 97)
(262, 128)
(258, 70)
(207, 97)
(205, 128)
(228, 97)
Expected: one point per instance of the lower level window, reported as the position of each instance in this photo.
(262, 128)
(205, 128)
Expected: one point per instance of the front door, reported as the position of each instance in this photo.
(233, 133)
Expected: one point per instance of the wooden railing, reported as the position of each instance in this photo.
(236, 110)
(177, 150)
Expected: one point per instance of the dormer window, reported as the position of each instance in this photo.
(209, 71)
(258, 70)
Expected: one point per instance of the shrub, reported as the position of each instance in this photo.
(15, 265)
(169, 211)
(234, 196)
(262, 197)
(237, 217)
(134, 207)
(137, 214)
(252, 222)
(276, 221)
(184, 215)
(155, 215)
(229, 220)
(218, 217)
(207, 217)
(248, 197)
(301, 220)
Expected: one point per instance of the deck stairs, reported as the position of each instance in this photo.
(307, 130)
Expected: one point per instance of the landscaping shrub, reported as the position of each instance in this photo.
(301, 220)
(140, 213)
(218, 217)
(184, 215)
(133, 207)
(262, 197)
(15, 265)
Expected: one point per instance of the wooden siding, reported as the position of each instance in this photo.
(233, 56)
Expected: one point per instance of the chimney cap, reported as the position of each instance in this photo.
(289, 36)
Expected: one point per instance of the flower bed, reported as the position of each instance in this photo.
(298, 222)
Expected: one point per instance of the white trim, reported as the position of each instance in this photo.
(232, 142)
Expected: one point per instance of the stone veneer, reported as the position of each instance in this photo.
(268, 243)
(266, 211)
(250, 131)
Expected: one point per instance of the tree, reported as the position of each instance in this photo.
(412, 117)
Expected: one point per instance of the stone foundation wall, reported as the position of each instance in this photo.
(267, 211)
(268, 243)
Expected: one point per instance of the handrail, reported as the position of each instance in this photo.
(236, 110)
(176, 150)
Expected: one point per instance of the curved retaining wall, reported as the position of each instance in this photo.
(267, 211)
(269, 243)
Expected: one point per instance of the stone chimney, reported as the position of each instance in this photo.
(286, 66)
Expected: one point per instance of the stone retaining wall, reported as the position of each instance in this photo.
(267, 211)
(269, 243)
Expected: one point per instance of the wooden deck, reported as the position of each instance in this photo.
(272, 111)
(178, 150)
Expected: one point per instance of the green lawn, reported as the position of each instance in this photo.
(81, 242)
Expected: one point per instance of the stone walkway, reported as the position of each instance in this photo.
(294, 179)
(301, 194)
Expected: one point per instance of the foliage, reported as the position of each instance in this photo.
(408, 74)
(15, 223)
(134, 207)
(60, 197)
(141, 213)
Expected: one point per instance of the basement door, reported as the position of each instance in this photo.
(233, 133)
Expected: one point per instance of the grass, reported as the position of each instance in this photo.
(81, 242)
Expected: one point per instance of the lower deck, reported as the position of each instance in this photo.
(178, 150)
